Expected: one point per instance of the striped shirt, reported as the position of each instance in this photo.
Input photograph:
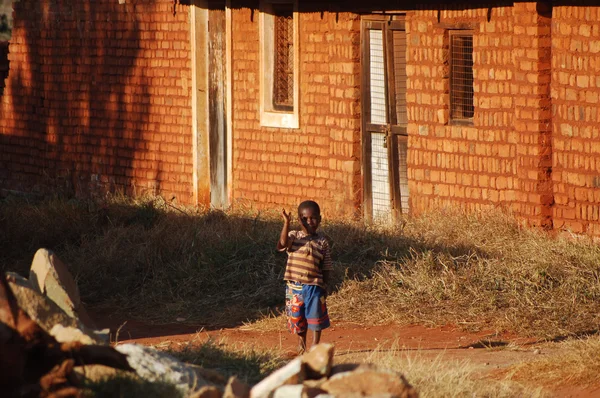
(308, 257)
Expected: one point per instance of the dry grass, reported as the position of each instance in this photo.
(575, 363)
(440, 377)
(478, 271)
(150, 260)
(127, 386)
(248, 364)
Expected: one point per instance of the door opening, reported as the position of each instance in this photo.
(384, 118)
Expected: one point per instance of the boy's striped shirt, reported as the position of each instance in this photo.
(308, 257)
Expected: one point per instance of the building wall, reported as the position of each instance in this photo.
(576, 113)
(471, 167)
(275, 167)
(98, 98)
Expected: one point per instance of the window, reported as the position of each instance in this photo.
(461, 75)
(279, 80)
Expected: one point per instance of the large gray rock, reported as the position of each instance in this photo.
(51, 318)
(153, 365)
(51, 277)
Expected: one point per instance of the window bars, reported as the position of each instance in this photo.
(283, 70)
(461, 75)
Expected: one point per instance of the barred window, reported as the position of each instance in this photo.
(279, 60)
(461, 75)
(283, 70)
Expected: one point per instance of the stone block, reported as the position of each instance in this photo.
(319, 361)
(292, 373)
(236, 389)
(51, 277)
(48, 315)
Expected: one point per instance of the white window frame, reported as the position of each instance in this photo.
(269, 117)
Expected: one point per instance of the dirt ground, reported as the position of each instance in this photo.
(353, 342)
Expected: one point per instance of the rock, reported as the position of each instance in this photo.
(347, 367)
(311, 392)
(289, 391)
(51, 277)
(153, 365)
(46, 313)
(368, 381)
(207, 392)
(314, 383)
(94, 373)
(33, 363)
(292, 373)
(318, 361)
(67, 334)
(236, 389)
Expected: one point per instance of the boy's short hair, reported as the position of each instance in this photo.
(309, 204)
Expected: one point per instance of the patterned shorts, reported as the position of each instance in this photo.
(305, 307)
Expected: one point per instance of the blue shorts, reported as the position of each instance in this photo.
(305, 307)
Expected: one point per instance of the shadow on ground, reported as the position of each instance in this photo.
(152, 263)
(250, 366)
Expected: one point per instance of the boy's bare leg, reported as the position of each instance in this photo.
(301, 343)
(316, 337)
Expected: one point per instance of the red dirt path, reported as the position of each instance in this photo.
(352, 340)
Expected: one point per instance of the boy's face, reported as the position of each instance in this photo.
(310, 220)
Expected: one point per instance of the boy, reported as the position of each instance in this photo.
(307, 273)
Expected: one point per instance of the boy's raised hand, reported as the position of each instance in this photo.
(287, 217)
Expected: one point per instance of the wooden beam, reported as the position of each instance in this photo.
(200, 142)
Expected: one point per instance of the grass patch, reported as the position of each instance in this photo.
(440, 377)
(150, 260)
(576, 363)
(480, 271)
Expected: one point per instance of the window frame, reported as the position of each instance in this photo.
(452, 118)
(269, 116)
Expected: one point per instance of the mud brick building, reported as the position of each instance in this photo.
(374, 107)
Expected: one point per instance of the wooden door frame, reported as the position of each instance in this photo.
(217, 109)
(200, 141)
(205, 103)
(367, 22)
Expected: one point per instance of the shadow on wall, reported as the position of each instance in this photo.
(3, 65)
(5, 32)
(79, 98)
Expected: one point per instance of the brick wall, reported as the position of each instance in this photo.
(98, 98)
(471, 167)
(320, 160)
(531, 88)
(575, 115)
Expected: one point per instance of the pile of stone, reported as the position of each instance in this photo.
(40, 345)
(50, 347)
(315, 375)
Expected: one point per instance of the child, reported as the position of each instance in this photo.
(307, 273)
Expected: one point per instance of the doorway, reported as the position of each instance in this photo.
(384, 117)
